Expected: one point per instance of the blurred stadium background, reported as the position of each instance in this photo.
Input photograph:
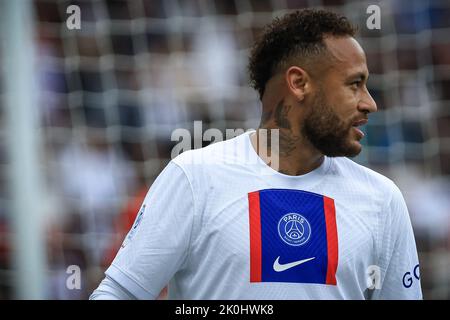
(86, 118)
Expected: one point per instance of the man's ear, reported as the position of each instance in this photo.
(298, 82)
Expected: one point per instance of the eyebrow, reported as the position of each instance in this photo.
(358, 76)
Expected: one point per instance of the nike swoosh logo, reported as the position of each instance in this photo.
(283, 267)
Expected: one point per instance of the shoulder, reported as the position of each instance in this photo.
(216, 153)
(376, 190)
(364, 177)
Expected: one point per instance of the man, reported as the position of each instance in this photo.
(318, 226)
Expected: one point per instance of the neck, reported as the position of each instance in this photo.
(296, 155)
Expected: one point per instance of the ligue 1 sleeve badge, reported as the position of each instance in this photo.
(294, 229)
(137, 222)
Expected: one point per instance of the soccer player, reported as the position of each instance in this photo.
(222, 223)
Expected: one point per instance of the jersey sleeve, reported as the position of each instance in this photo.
(110, 290)
(157, 245)
(399, 260)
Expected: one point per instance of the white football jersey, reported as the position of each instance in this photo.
(218, 223)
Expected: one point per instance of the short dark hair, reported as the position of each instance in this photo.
(298, 35)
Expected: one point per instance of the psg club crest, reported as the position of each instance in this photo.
(294, 229)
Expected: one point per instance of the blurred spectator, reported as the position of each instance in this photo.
(98, 177)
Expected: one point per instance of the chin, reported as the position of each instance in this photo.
(353, 149)
(344, 147)
(353, 146)
(350, 150)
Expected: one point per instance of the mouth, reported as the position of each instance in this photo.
(357, 124)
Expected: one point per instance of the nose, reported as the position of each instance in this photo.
(367, 104)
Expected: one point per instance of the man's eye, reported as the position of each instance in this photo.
(355, 84)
